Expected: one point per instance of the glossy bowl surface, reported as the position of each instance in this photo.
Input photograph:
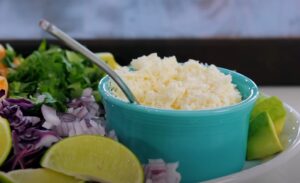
(206, 143)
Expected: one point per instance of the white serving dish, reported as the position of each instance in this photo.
(281, 168)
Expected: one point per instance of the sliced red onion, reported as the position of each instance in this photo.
(32, 119)
(80, 112)
(82, 117)
(48, 125)
(157, 171)
(50, 115)
(65, 129)
(87, 92)
(78, 128)
(93, 123)
(41, 98)
(71, 129)
(67, 117)
(47, 141)
(112, 135)
(83, 125)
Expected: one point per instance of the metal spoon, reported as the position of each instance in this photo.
(75, 45)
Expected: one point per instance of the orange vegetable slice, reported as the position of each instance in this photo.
(2, 52)
(3, 68)
(3, 86)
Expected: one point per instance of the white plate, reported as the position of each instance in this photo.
(284, 167)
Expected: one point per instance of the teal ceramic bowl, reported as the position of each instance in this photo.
(206, 143)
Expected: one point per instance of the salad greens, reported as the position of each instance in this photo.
(54, 77)
(52, 95)
(10, 57)
(56, 74)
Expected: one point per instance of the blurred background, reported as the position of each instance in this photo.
(89, 19)
(259, 38)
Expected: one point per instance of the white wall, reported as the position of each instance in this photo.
(152, 18)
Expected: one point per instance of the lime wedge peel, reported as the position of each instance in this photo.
(5, 139)
(274, 106)
(4, 178)
(40, 175)
(94, 158)
(262, 140)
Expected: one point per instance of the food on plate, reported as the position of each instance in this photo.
(48, 102)
(94, 158)
(83, 116)
(28, 137)
(266, 123)
(165, 83)
(52, 95)
(3, 87)
(40, 175)
(109, 59)
(151, 131)
(55, 75)
(5, 139)
(263, 140)
(4, 178)
(8, 59)
(3, 68)
(2, 52)
(159, 171)
(274, 106)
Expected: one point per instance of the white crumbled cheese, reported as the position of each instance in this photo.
(165, 83)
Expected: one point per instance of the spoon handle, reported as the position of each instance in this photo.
(75, 45)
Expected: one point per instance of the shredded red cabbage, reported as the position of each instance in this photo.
(29, 138)
(84, 116)
(2, 93)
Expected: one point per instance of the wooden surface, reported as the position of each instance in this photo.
(266, 61)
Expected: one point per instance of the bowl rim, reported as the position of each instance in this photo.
(254, 93)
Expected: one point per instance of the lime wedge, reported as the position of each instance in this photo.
(5, 139)
(262, 139)
(94, 158)
(109, 59)
(4, 178)
(274, 107)
(260, 98)
(40, 175)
